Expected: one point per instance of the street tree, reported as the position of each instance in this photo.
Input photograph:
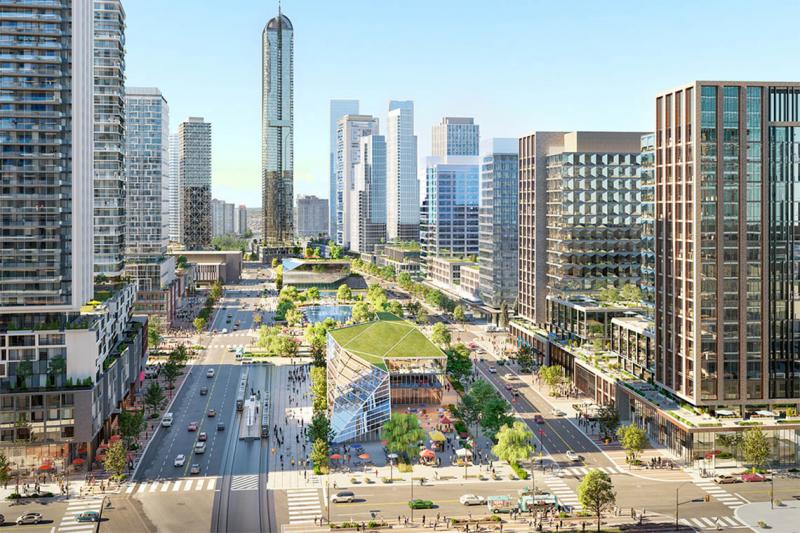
(279, 277)
(440, 334)
(525, 358)
(596, 494)
(362, 312)
(344, 293)
(116, 458)
(633, 439)
(283, 346)
(458, 314)
(503, 322)
(495, 413)
(154, 332)
(469, 410)
(396, 308)
(514, 443)
(755, 447)
(608, 419)
(459, 365)
(319, 390)
(216, 290)
(404, 280)
(403, 434)
(199, 324)
(294, 317)
(312, 294)
(131, 425)
(5, 470)
(170, 370)
(275, 262)
(320, 428)
(319, 456)
(154, 396)
(422, 316)
(181, 354)
(377, 299)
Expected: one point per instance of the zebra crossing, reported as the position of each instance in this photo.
(173, 485)
(712, 522)
(725, 497)
(244, 482)
(582, 471)
(303, 505)
(565, 495)
(68, 522)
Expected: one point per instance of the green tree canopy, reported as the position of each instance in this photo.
(633, 439)
(755, 447)
(630, 293)
(170, 370)
(5, 470)
(440, 334)
(320, 428)
(154, 331)
(596, 493)
(608, 420)
(319, 456)
(403, 435)
(396, 308)
(319, 389)
(458, 314)
(344, 294)
(514, 443)
(116, 458)
(312, 294)
(294, 317)
(131, 425)
(154, 396)
(459, 365)
(275, 262)
(362, 312)
(199, 324)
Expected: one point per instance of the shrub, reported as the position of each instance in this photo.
(404, 468)
(519, 471)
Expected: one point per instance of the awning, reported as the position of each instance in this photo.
(725, 412)
(463, 452)
(764, 413)
(437, 436)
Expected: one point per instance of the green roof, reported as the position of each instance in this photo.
(389, 336)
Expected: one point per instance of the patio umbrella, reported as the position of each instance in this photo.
(100, 457)
(114, 438)
(336, 456)
(427, 454)
(102, 446)
(463, 452)
(46, 466)
(364, 456)
(437, 436)
(445, 420)
(78, 461)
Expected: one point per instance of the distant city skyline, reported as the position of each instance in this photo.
(610, 87)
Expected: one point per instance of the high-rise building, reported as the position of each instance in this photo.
(456, 136)
(349, 131)
(368, 211)
(194, 148)
(217, 218)
(311, 217)
(579, 215)
(240, 220)
(70, 353)
(726, 212)
(277, 129)
(647, 187)
(339, 108)
(402, 185)
(498, 255)
(109, 137)
(449, 221)
(174, 188)
(147, 200)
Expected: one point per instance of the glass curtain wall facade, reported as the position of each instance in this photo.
(338, 109)
(349, 131)
(498, 247)
(458, 136)
(647, 190)
(194, 139)
(402, 185)
(370, 195)
(277, 129)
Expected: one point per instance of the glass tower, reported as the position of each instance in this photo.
(402, 185)
(194, 148)
(339, 108)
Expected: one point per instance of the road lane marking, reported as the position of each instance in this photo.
(176, 486)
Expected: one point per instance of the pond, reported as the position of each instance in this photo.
(318, 313)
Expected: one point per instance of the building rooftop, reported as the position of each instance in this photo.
(387, 337)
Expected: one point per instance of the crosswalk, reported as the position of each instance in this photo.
(713, 522)
(582, 471)
(173, 485)
(303, 505)
(244, 482)
(726, 498)
(565, 495)
(70, 525)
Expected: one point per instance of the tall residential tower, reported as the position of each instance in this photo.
(339, 108)
(194, 177)
(349, 131)
(402, 185)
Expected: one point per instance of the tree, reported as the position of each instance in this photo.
(525, 358)
(131, 424)
(288, 294)
(116, 458)
(503, 315)
(344, 294)
(320, 428)
(483, 406)
(181, 261)
(630, 293)
(335, 251)
(362, 312)
(275, 262)
(404, 280)
(170, 370)
(632, 438)
(755, 447)
(24, 371)
(154, 329)
(552, 376)
(596, 493)
(514, 443)
(495, 413)
(216, 290)
(377, 299)
(440, 334)
(57, 366)
(181, 354)
(199, 324)
(422, 316)
(319, 456)
(608, 420)
(458, 314)
(284, 346)
(294, 317)
(609, 294)
(403, 434)
(396, 308)
(279, 277)
(319, 389)
(154, 396)
(312, 294)
(459, 365)
(5, 470)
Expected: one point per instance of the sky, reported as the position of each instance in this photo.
(515, 66)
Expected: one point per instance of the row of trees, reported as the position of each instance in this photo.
(275, 343)
(204, 315)
(483, 407)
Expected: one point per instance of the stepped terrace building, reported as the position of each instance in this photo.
(375, 367)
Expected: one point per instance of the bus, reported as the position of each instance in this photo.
(242, 391)
(265, 417)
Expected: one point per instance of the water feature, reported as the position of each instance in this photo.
(318, 313)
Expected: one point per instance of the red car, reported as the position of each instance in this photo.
(192, 426)
(754, 477)
(539, 419)
(509, 386)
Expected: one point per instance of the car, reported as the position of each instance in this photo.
(180, 460)
(194, 469)
(539, 419)
(199, 447)
(418, 503)
(166, 420)
(231, 349)
(211, 413)
(230, 316)
(220, 426)
(725, 479)
(754, 477)
(501, 362)
(192, 426)
(224, 331)
(492, 370)
(509, 386)
(345, 496)
(203, 391)
(210, 373)
(572, 456)
(202, 436)
(29, 518)
(558, 412)
(511, 377)
(471, 499)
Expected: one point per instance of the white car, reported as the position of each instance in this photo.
(210, 373)
(224, 330)
(471, 499)
(572, 456)
(199, 447)
(558, 412)
(492, 370)
(180, 460)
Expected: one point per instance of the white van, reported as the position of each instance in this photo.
(166, 420)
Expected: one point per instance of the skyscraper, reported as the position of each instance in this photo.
(402, 185)
(456, 136)
(339, 108)
(647, 186)
(277, 129)
(194, 140)
(109, 137)
(499, 247)
(174, 188)
(349, 131)
(311, 216)
(368, 212)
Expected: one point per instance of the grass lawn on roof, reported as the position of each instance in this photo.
(389, 337)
